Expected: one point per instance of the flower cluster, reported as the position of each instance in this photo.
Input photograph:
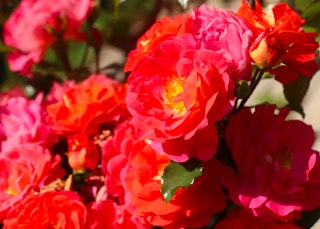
(174, 145)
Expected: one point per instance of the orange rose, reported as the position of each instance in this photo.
(53, 209)
(84, 107)
(159, 32)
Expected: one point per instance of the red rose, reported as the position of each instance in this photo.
(136, 174)
(82, 153)
(176, 91)
(281, 45)
(25, 169)
(143, 185)
(53, 209)
(107, 214)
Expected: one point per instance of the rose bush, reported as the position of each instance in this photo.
(170, 142)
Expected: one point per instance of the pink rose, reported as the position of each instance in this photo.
(278, 171)
(22, 121)
(15, 92)
(24, 170)
(227, 34)
(31, 27)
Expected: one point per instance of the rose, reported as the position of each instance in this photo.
(281, 45)
(217, 30)
(115, 158)
(227, 34)
(137, 176)
(25, 169)
(57, 91)
(107, 214)
(15, 92)
(241, 219)
(182, 80)
(33, 27)
(87, 105)
(142, 184)
(57, 209)
(83, 152)
(22, 121)
(277, 168)
(176, 91)
(159, 32)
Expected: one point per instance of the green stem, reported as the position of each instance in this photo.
(61, 49)
(97, 60)
(84, 57)
(254, 82)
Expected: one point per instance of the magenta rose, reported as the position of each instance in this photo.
(278, 171)
(242, 219)
(31, 26)
(227, 34)
(22, 121)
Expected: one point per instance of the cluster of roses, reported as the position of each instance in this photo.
(179, 103)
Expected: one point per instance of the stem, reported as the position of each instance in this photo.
(254, 82)
(97, 60)
(84, 58)
(61, 50)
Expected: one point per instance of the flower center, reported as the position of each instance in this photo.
(173, 95)
(284, 158)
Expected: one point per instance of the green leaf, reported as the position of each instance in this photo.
(295, 92)
(312, 13)
(179, 175)
(77, 51)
